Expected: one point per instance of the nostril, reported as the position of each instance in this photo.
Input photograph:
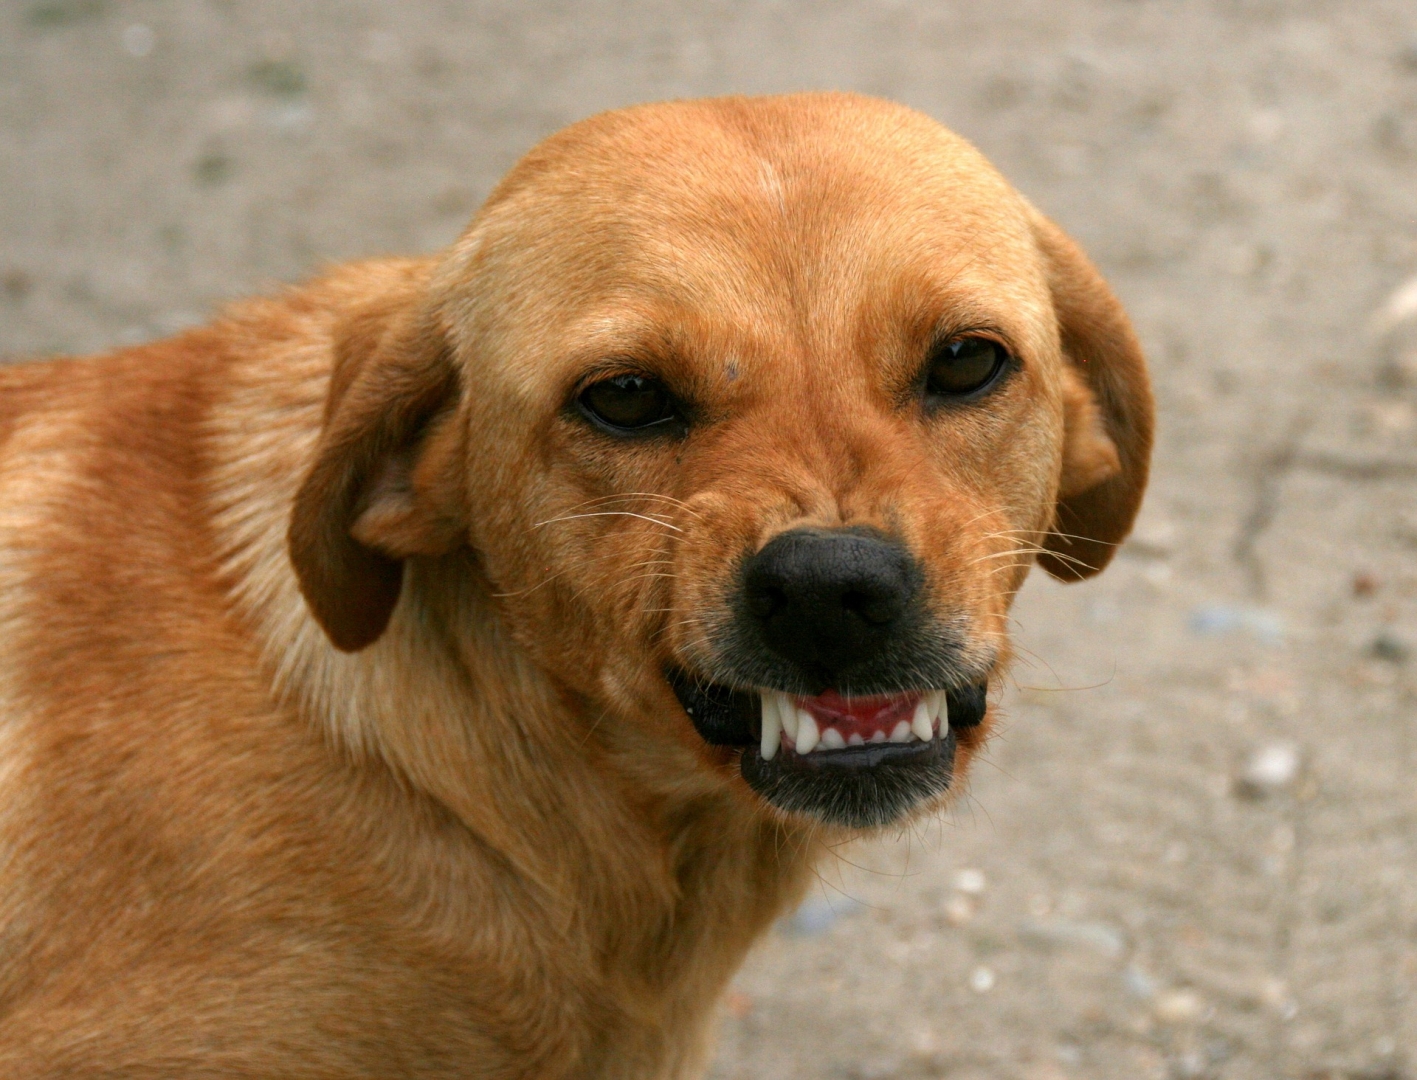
(765, 601)
(873, 608)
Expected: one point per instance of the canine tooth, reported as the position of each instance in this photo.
(855, 739)
(788, 712)
(901, 732)
(832, 740)
(940, 709)
(772, 728)
(807, 736)
(920, 722)
(878, 735)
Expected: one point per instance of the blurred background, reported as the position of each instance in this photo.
(1191, 852)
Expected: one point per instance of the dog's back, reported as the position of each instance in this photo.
(190, 883)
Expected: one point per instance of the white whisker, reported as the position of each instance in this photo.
(608, 513)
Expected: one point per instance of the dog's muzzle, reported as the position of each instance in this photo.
(846, 693)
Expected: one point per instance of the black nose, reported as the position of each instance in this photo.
(829, 600)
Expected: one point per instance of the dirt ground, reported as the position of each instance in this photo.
(1192, 850)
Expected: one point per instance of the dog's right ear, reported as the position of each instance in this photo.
(383, 484)
(1108, 410)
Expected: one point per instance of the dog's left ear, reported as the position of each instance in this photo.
(1109, 414)
(383, 484)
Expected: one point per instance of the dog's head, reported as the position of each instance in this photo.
(756, 414)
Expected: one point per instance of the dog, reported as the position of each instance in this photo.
(450, 666)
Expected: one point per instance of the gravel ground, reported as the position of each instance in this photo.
(1191, 852)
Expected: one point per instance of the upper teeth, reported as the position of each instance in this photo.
(807, 735)
(781, 714)
(922, 723)
(772, 725)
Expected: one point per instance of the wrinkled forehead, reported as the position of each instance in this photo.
(818, 216)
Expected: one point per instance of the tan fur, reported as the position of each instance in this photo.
(335, 738)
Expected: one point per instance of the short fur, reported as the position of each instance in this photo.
(336, 739)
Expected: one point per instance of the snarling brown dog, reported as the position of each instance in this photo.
(449, 667)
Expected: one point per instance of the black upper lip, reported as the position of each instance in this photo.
(721, 715)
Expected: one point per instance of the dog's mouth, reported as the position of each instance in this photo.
(800, 726)
(861, 762)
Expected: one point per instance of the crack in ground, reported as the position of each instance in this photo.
(1264, 503)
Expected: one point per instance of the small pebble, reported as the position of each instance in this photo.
(1270, 769)
(982, 979)
(1364, 584)
(970, 881)
(1178, 1007)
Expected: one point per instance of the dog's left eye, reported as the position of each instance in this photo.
(964, 366)
(629, 402)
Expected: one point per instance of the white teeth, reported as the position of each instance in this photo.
(920, 722)
(772, 727)
(807, 736)
(781, 715)
(787, 712)
(940, 709)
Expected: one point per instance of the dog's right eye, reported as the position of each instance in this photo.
(629, 403)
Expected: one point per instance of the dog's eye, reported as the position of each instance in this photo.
(629, 402)
(964, 366)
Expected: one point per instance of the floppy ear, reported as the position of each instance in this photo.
(383, 484)
(1108, 413)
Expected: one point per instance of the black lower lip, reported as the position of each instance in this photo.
(855, 757)
(860, 787)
